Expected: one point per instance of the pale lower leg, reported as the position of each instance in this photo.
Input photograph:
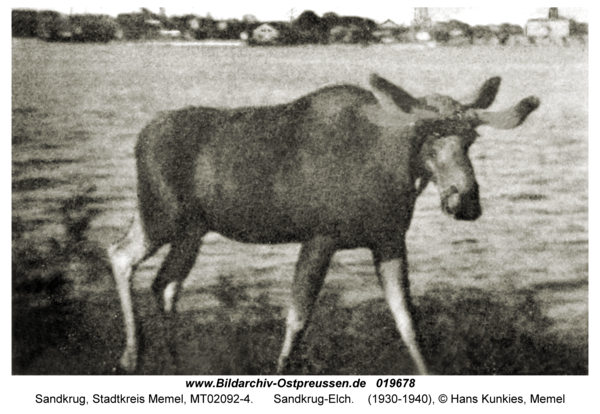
(169, 295)
(295, 325)
(123, 258)
(394, 278)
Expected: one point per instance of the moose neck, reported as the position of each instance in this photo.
(401, 137)
(419, 175)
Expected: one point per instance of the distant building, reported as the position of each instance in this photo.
(555, 29)
(389, 31)
(389, 25)
(265, 33)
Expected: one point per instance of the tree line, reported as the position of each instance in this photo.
(308, 28)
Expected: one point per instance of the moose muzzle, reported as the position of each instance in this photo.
(462, 206)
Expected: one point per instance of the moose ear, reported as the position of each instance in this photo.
(486, 95)
(400, 97)
(510, 118)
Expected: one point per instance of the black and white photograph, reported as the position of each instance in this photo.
(299, 188)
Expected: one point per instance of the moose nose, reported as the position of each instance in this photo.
(451, 200)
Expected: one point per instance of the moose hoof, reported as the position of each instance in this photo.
(126, 365)
(117, 370)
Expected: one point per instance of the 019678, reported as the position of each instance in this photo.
(395, 383)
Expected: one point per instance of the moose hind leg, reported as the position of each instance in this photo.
(311, 269)
(175, 269)
(166, 287)
(124, 257)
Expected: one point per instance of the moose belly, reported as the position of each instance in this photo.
(267, 219)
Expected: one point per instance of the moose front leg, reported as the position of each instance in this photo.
(311, 270)
(392, 270)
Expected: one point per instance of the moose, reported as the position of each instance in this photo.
(339, 168)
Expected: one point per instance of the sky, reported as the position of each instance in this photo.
(265, 10)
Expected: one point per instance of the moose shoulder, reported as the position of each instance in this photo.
(336, 169)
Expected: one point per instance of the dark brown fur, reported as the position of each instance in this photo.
(285, 172)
